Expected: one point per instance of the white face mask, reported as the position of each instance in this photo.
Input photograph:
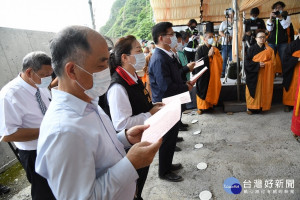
(45, 82)
(253, 18)
(101, 82)
(140, 61)
(173, 41)
(210, 41)
(179, 47)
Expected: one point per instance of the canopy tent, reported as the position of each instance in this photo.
(179, 12)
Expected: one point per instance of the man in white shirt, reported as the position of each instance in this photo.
(79, 152)
(23, 102)
(226, 30)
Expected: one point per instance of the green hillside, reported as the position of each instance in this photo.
(129, 17)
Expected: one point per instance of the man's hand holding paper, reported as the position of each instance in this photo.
(162, 121)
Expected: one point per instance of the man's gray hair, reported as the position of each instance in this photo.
(35, 60)
(70, 44)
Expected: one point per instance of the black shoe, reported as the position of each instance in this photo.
(179, 139)
(183, 125)
(222, 76)
(177, 149)
(172, 177)
(4, 189)
(175, 167)
(183, 128)
(288, 108)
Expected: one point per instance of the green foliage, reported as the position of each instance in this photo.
(133, 17)
(117, 5)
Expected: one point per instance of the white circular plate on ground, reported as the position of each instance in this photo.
(194, 121)
(197, 132)
(205, 195)
(198, 146)
(202, 165)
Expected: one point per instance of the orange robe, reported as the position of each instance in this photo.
(278, 66)
(264, 88)
(214, 85)
(295, 127)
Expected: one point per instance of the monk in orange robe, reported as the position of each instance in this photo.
(259, 68)
(209, 84)
(290, 74)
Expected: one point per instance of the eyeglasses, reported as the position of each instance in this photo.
(170, 34)
(261, 37)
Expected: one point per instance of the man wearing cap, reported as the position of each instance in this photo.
(281, 31)
(252, 25)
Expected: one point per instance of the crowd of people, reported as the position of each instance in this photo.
(82, 139)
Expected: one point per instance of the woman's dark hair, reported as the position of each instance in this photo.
(192, 21)
(178, 35)
(160, 29)
(185, 35)
(278, 3)
(123, 46)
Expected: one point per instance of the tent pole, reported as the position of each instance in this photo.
(236, 19)
(243, 50)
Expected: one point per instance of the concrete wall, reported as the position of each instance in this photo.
(14, 45)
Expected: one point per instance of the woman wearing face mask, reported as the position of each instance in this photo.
(128, 101)
(209, 84)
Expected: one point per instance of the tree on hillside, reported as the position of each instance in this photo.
(134, 18)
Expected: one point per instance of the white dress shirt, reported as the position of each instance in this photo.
(170, 53)
(20, 109)
(285, 23)
(120, 107)
(80, 154)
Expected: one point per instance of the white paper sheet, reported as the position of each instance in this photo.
(196, 76)
(199, 63)
(184, 97)
(162, 121)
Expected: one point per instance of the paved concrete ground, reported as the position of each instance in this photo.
(248, 147)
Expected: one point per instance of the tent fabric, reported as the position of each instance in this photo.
(179, 12)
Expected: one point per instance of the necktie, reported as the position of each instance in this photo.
(40, 101)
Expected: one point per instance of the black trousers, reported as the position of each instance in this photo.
(40, 189)
(190, 56)
(143, 173)
(167, 149)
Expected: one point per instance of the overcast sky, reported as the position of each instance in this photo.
(52, 15)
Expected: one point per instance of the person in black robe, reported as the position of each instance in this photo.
(259, 69)
(288, 70)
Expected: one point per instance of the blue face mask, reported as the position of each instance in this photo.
(210, 41)
(253, 18)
